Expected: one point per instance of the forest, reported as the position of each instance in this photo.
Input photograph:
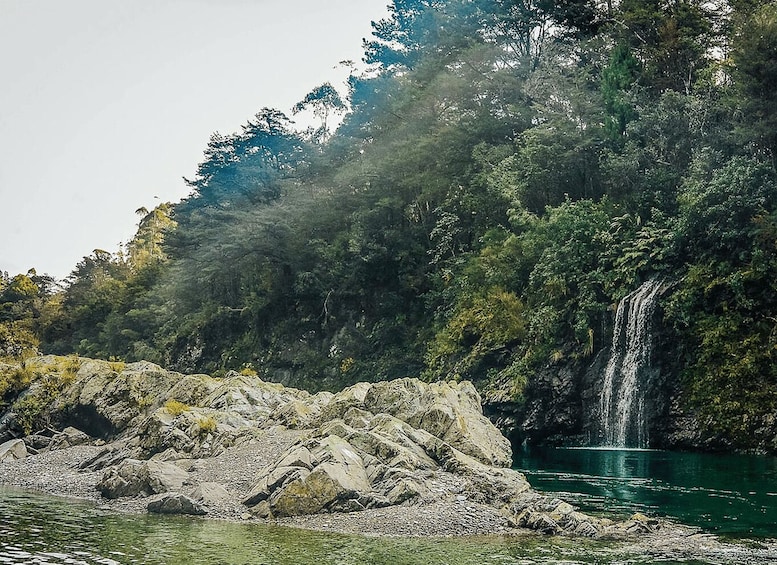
(502, 174)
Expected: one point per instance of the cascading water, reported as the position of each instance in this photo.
(622, 403)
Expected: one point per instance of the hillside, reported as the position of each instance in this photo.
(504, 175)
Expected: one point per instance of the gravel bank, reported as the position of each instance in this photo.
(57, 473)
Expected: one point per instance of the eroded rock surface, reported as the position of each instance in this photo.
(375, 462)
(132, 477)
(371, 446)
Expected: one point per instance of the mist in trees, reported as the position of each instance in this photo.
(503, 173)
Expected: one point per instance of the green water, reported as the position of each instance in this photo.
(724, 494)
(732, 495)
(46, 530)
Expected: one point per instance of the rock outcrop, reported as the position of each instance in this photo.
(372, 445)
(364, 461)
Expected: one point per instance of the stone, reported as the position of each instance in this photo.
(449, 411)
(337, 406)
(68, 437)
(176, 503)
(13, 450)
(37, 441)
(255, 399)
(299, 457)
(133, 477)
(326, 484)
(295, 414)
(403, 491)
(191, 390)
(108, 456)
(211, 493)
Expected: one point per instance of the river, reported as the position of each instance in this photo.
(733, 495)
(48, 530)
(723, 494)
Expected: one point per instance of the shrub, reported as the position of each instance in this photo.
(15, 380)
(206, 425)
(248, 371)
(175, 408)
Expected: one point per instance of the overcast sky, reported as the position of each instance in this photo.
(106, 104)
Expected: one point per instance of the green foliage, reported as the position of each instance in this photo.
(754, 55)
(14, 380)
(323, 100)
(725, 307)
(727, 320)
(719, 204)
(31, 392)
(483, 326)
(503, 174)
(672, 38)
(617, 78)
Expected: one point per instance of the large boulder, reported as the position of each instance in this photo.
(133, 477)
(211, 493)
(450, 411)
(13, 450)
(374, 461)
(68, 437)
(320, 474)
(175, 503)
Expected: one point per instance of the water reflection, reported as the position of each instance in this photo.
(39, 529)
(723, 493)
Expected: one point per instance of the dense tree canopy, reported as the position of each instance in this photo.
(505, 172)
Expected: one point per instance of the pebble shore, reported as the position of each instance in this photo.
(58, 473)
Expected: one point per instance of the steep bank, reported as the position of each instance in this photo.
(570, 401)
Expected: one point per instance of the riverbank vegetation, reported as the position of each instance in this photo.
(503, 174)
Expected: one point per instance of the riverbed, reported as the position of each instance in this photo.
(43, 529)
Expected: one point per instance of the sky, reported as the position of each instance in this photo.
(105, 105)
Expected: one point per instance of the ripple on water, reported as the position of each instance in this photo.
(730, 494)
(46, 530)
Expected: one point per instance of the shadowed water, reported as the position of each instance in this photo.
(724, 494)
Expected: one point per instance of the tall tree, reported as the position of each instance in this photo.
(754, 55)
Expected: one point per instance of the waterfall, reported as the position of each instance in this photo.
(622, 403)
